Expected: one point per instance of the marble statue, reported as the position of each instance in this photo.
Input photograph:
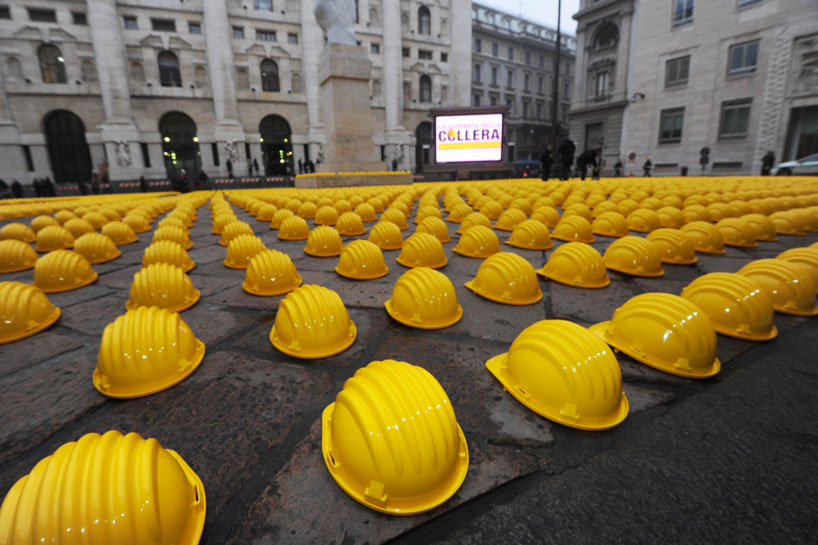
(337, 20)
(232, 151)
(123, 153)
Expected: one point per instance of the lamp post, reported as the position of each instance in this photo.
(555, 94)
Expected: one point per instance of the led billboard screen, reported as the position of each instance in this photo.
(473, 138)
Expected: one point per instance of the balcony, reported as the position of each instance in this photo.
(607, 100)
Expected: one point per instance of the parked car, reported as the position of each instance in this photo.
(526, 168)
(799, 167)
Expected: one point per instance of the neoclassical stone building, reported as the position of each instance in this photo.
(667, 79)
(513, 66)
(149, 87)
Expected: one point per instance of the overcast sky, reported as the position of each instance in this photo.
(543, 12)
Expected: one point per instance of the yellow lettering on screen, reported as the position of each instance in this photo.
(469, 145)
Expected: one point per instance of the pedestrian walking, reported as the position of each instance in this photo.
(143, 184)
(587, 158)
(647, 167)
(618, 168)
(16, 189)
(300, 166)
(255, 166)
(767, 163)
(566, 151)
(546, 160)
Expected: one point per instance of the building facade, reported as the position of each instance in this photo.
(667, 79)
(513, 62)
(151, 87)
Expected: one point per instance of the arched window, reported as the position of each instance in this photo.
(425, 88)
(180, 145)
(606, 36)
(52, 64)
(67, 148)
(276, 145)
(424, 20)
(269, 76)
(169, 74)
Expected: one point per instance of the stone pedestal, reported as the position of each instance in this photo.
(352, 180)
(344, 72)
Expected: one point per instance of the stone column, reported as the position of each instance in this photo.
(119, 133)
(396, 137)
(11, 155)
(312, 43)
(218, 40)
(460, 56)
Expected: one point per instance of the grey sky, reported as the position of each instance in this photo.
(543, 12)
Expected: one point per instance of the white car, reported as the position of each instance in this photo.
(803, 166)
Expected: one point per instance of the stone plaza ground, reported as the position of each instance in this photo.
(729, 459)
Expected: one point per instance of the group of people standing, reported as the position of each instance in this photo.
(590, 158)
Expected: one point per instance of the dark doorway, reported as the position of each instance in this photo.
(593, 136)
(802, 133)
(180, 146)
(67, 147)
(423, 146)
(276, 145)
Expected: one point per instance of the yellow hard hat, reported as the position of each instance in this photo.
(673, 246)
(312, 322)
(271, 273)
(738, 306)
(24, 311)
(509, 219)
(666, 332)
(435, 227)
(366, 211)
(54, 237)
(610, 224)
(807, 257)
(78, 227)
(16, 255)
(95, 218)
(110, 214)
(422, 250)
(324, 241)
(573, 229)
(395, 216)
(120, 233)
(578, 209)
(292, 205)
(266, 212)
(670, 216)
(221, 219)
(386, 235)
(696, 212)
(62, 270)
(603, 207)
(643, 220)
(395, 469)
(167, 251)
(80, 493)
(475, 218)
(762, 225)
(40, 222)
(547, 215)
(137, 222)
(478, 242)
(162, 285)
(564, 373)
(343, 205)
(530, 235)
(789, 284)
(145, 351)
(361, 260)
(635, 256)
(96, 248)
(63, 216)
(576, 264)
(306, 210)
(294, 228)
(425, 299)
(428, 211)
(326, 215)
(737, 232)
(241, 249)
(180, 237)
(787, 224)
(171, 221)
(705, 237)
(350, 224)
(279, 217)
(459, 213)
(491, 209)
(507, 278)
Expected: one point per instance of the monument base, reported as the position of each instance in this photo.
(352, 166)
(349, 180)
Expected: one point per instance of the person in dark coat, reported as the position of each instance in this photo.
(567, 150)
(16, 189)
(300, 166)
(255, 166)
(143, 184)
(229, 165)
(586, 159)
(546, 160)
(48, 186)
(618, 168)
(647, 167)
(767, 163)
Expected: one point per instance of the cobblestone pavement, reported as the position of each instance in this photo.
(248, 420)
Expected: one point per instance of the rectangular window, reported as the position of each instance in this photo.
(735, 118)
(263, 5)
(292, 38)
(525, 108)
(163, 25)
(542, 61)
(509, 79)
(526, 82)
(194, 27)
(743, 58)
(528, 57)
(682, 12)
(511, 53)
(539, 110)
(238, 32)
(405, 52)
(424, 54)
(265, 35)
(444, 57)
(539, 84)
(42, 15)
(494, 49)
(27, 155)
(476, 100)
(130, 22)
(493, 100)
(214, 151)
(510, 106)
(670, 126)
(146, 156)
(375, 49)
(5, 12)
(477, 72)
(79, 18)
(494, 75)
(478, 45)
(677, 71)
(601, 84)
